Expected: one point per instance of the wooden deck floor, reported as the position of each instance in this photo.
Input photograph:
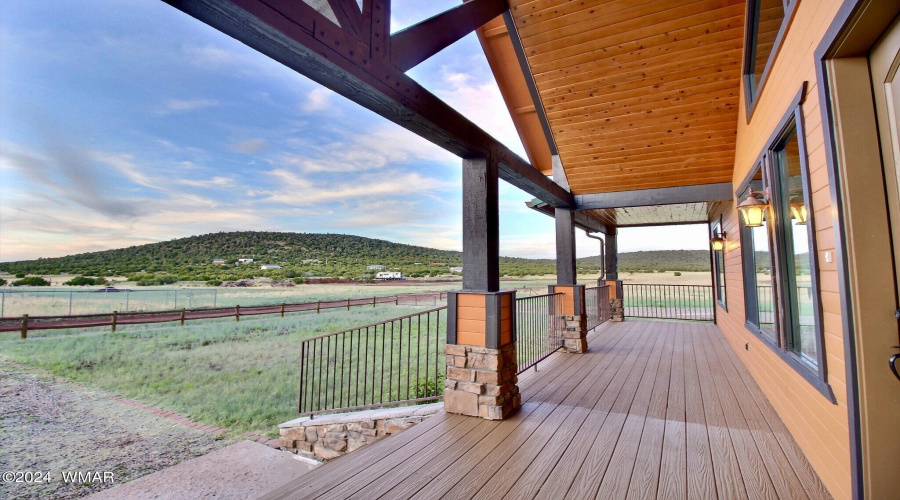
(654, 410)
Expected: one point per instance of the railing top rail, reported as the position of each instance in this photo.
(538, 296)
(664, 284)
(596, 287)
(374, 324)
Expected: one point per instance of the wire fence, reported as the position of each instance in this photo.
(686, 302)
(27, 323)
(393, 362)
(539, 327)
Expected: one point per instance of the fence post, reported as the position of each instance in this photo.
(215, 295)
(126, 300)
(182, 316)
(2, 303)
(237, 313)
(115, 318)
(70, 302)
(176, 300)
(317, 306)
(348, 304)
(396, 300)
(24, 333)
(282, 309)
(373, 301)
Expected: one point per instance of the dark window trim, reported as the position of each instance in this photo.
(749, 98)
(715, 228)
(791, 120)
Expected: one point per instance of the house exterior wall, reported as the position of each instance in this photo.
(819, 426)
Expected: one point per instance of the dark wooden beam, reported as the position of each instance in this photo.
(565, 247)
(659, 196)
(612, 257)
(297, 36)
(481, 225)
(417, 43)
(348, 14)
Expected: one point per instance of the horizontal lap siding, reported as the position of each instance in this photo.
(819, 427)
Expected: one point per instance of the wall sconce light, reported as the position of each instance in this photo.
(798, 210)
(753, 208)
(718, 242)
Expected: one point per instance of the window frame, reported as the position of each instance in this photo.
(715, 229)
(753, 91)
(766, 162)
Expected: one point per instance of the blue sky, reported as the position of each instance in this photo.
(129, 122)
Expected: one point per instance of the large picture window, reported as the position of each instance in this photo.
(778, 252)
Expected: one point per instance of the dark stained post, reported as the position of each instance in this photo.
(481, 225)
(565, 247)
(612, 257)
(481, 322)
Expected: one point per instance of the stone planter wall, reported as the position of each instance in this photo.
(327, 437)
(618, 309)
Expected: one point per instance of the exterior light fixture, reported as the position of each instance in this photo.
(753, 209)
(718, 242)
(798, 210)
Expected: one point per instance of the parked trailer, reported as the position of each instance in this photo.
(389, 275)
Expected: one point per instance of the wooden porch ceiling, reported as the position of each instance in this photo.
(637, 94)
(653, 410)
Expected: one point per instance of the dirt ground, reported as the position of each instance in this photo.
(51, 427)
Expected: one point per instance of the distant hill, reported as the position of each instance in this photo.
(313, 254)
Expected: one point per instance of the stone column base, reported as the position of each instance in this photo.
(617, 308)
(575, 334)
(481, 382)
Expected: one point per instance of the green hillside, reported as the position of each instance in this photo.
(331, 255)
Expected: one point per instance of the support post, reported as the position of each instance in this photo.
(481, 225)
(565, 247)
(237, 313)
(481, 323)
(24, 332)
(115, 319)
(183, 311)
(612, 256)
(282, 309)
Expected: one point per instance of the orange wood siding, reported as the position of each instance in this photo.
(470, 319)
(819, 426)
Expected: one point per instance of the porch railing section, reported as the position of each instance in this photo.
(685, 302)
(393, 362)
(596, 305)
(539, 327)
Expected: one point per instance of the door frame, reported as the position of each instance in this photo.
(861, 224)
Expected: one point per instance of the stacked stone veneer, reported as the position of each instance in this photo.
(481, 382)
(617, 309)
(574, 333)
(331, 436)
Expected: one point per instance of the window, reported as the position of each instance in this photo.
(766, 22)
(719, 264)
(779, 257)
(759, 285)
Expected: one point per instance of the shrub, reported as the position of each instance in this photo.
(2, 281)
(214, 282)
(83, 280)
(20, 275)
(31, 281)
(677, 273)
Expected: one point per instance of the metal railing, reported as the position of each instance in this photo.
(596, 305)
(687, 302)
(539, 327)
(393, 362)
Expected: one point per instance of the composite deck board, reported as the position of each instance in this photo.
(652, 410)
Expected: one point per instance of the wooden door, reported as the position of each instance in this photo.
(884, 62)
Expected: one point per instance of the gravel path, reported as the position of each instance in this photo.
(49, 426)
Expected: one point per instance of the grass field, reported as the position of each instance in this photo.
(242, 376)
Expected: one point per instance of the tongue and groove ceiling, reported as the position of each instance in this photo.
(638, 94)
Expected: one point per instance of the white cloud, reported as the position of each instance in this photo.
(318, 99)
(290, 188)
(184, 105)
(250, 146)
(215, 182)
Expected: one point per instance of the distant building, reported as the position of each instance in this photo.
(218, 262)
(310, 261)
(245, 261)
(266, 267)
(377, 267)
(456, 269)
